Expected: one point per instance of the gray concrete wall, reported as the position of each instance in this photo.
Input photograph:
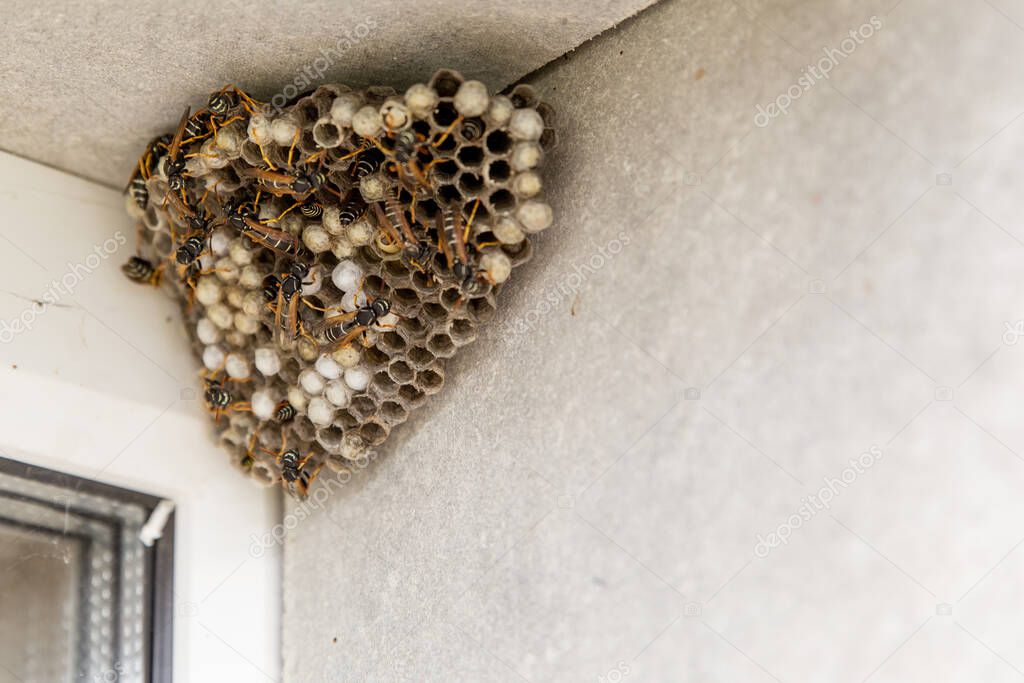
(87, 84)
(722, 317)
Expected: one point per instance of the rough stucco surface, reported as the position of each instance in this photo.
(86, 84)
(585, 498)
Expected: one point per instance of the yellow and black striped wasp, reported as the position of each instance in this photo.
(339, 331)
(224, 107)
(142, 271)
(286, 308)
(392, 221)
(174, 165)
(296, 475)
(144, 169)
(453, 237)
(241, 215)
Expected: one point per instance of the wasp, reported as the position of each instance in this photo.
(250, 458)
(295, 477)
(311, 210)
(275, 240)
(198, 126)
(236, 211)
(403, 149)
(174, 166)
(368, 161)
(284, 412)
(351, 208)
(195, 242)
(228, 98)
(141, 270)
(340, 330)
(299, 185)
(452, 237)
(144, 169)
(222, 109)
(219, 400)
(286, 316)
(391, 219)
(271, 286)
(472, 129)
(240, 214)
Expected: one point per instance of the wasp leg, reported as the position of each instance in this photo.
(440, 140)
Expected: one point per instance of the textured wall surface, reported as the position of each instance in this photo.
(584, 499)
(87, 84)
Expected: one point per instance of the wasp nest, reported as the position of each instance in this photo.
(330, 255)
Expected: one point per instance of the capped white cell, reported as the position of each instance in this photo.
(367, 122)
(344, 108)
(328, 367)
(284, 131)
(526, 155)
(297, 398)
(213, 357)
(373, 187)
(258, 129)
(320, 411)
(237, 366)
(353, 300)
(526, 124)
(497, 265)
(208, 290)
(471, 99)
(500, 110)
(508, 231)
(534, 216)
(342, 248)
(246, 324)
(250, 277)
(207, 332)
(360, 232)
(220, 240)
(221, 316)
(311, 382)
(526, 184)
(226, 269)
(240, 252)
(337, 392)
(316, 238)
(267, 361)
(357, 378)
(263, 404)
(347, 275)
(421, 99)
(395, 114)
(347, 356)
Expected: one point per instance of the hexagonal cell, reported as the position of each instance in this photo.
(362, 407)
(499, 143)
(441, 345)
(462, 332)
(392, 343)
(524, 96)
(470, 184)
(430, 381)
(446, 82)
(470, 156)
(420, 358)
(393, 412)
(411, 397)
